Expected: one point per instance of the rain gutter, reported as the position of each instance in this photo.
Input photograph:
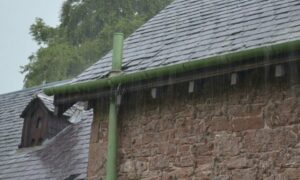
(112, 81)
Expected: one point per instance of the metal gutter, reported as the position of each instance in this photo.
(62, 100)
(116, 80)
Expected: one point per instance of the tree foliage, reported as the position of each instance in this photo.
(83, 36)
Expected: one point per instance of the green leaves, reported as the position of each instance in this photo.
(83, 36)
(41, 33)
(51, 64)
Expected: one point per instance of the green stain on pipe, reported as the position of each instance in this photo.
(174, 69)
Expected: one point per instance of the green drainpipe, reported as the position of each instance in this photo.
(111, 166)
(117, 52)
(113, 120)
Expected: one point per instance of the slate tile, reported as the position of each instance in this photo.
(247, 23)
(18, 165)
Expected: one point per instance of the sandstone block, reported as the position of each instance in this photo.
(158, 162)
(246, 123)
(226, 145)
(245, 174)
(220, 123)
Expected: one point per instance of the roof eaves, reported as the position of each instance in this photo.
(223, 59)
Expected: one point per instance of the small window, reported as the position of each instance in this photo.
(32, 142)
(38, 123)
(40, 141)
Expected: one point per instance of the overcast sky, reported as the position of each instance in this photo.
(16, 44)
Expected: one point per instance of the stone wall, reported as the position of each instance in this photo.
(220, 132)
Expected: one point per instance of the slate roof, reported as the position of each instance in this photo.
(194, 29)
(48, 102)
(65, 155)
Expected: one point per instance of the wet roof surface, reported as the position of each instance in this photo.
(61, 157)
(194, 29)
(48, 102)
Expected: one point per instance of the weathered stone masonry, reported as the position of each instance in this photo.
(250, 131)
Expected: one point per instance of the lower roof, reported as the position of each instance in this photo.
(63, 156)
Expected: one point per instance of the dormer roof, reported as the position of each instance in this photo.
(47, 101)
(68, 149)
